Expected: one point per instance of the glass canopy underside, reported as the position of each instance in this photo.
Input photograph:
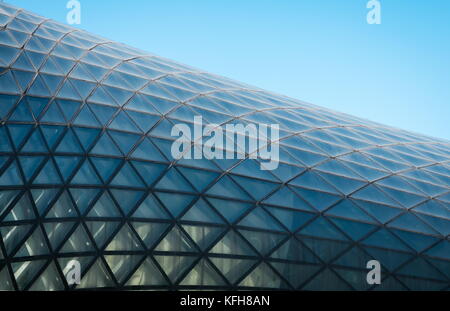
(86, 174)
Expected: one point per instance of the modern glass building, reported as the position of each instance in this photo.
(87, 174)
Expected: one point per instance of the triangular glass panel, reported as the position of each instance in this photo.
(287, 198)
(6, 284)
(293, 250)
(105, 207)
(233, 269)
(48, 175)
(52, 134)
(122, 265)
(123, 122)
(103, 113)
(83, 198)
(321, 228)
(258, 189)
(418, 242)
(13, 236)
(22, 210)
(311, 180)
(8, 101)
(86, 175)
(356, 230)
(23, 78)
(6, 198)
(326, 281)
(8, 84)
(260, 219)
(203, 274)
(318, 200)
(78, 242)
(406, 199)
(68, 108)
(355, 278)
(199, 178)
(125, 240)
(225, 187)
(175, 241)
(86, 136)
(146, 275)
(53, 114)
(175, 203)
(150, 233)
(147, 151)
(439, 224)
(106, 166)
(51, 67)
(263, 242)
(69, 144)
(263, 277)
(149, 172)
(105, 146)
(203, 236)
(201, 212)
(292, 219)
(343, 184)
(25, 271)
(173, 180)
(422, 269)
(23, 62)
(97, 277)
(11, 176)
(30, 165)
(126, 199)
(86, 118)
(380, 212)
(57, 232)
(410, 222)
(43, 198)
(63, 208)
(101, 97)
(83, 88)
(102, 231)
(34, 246)
(385, 239)
(373, 194)
(49, 280)
(175, 266)
(36, 59)
(232, 244)
(230, 210)
(127, 177)
(347, 209)
(35, 143)
(52, 82)
(67, 165)
(67, 91)
(38, 88)
(143, 120)
(125, 141)
(354, 258)
(22, 113)
(18, 132)
(295, 274)
(150, 208)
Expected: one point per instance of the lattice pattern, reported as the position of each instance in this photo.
(86, 173)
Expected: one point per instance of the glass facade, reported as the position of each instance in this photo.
(86, 174)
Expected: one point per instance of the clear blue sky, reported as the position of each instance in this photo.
(320, 51)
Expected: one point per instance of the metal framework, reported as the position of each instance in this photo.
(86, 173)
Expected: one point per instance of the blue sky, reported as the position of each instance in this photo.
(320, 51)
